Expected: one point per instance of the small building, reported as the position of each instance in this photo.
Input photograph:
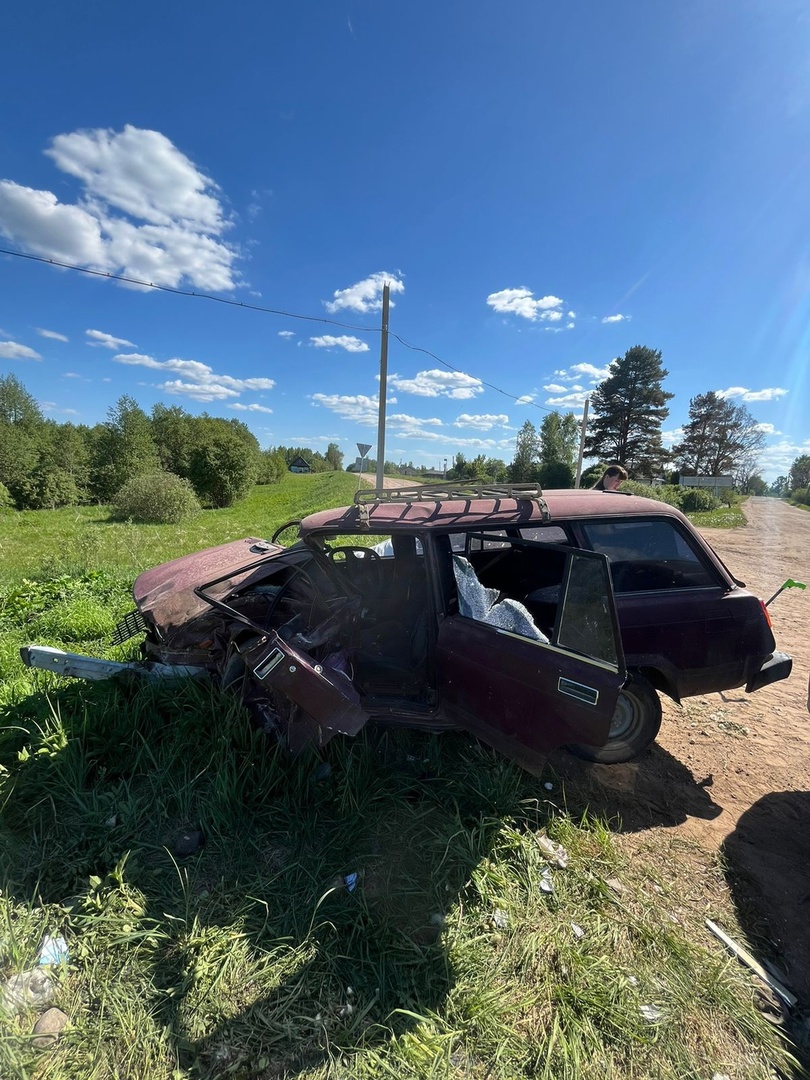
(298, 464)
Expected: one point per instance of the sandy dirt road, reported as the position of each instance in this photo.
(730, 773)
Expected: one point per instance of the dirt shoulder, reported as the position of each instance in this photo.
(730, 775)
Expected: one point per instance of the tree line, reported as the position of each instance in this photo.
(629, 407)
(45, 464)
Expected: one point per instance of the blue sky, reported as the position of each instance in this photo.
(544, 185)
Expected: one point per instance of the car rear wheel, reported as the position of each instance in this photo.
(634, 726)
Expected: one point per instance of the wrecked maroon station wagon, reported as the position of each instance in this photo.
(532, 620)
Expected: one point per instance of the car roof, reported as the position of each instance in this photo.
(488, 512)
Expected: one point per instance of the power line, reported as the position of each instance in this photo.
(186, 292)
(458, 371)
(265, 310)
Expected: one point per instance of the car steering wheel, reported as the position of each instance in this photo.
(356, 552)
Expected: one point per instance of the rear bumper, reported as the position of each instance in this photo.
(777, 667)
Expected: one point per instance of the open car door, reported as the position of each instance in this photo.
(527, 695)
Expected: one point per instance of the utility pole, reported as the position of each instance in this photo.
(582, 442)
(383, 388)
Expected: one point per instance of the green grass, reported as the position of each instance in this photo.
(252, 958)
(727, 517)
(86, 538)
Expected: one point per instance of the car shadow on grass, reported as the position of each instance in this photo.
(767, 865)
(307, 918)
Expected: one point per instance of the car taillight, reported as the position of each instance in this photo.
(766, 613)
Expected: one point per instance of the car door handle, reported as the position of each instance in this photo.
(587, 694)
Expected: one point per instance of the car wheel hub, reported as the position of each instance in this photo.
(623, 718)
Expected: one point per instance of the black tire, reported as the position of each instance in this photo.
(634, 727)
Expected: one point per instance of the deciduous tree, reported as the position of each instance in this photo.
(124, 448)
(523, 469)
(721, 438)
(800, 472)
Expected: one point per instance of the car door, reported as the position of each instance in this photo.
(525, 696)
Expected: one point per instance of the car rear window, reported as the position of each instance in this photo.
(648, 554)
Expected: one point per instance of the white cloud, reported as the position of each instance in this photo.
(404, 418)
(51, 406)
(572, 314)
(437, 383)
(616, 318)
(767, 429)
(253, 407)
(595, 374)
(144, 211)
(10, 350)
(107, 341)
(344, 341)
(481, 421)
(570, 326)
(525, 399)
(358, 408)
(576, 372)
(286, 333)
(365, 295)
(51, 334)
(575, 399)
(199, 381)
(777, 459)
(769, 394)
(669, 438)
(523, 303)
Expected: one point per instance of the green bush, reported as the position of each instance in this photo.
(801, 495)
(666, 493)
(157, 498)
(222, 469)
(6, 501)
(697, 500)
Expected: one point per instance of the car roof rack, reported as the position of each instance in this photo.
(453, 490)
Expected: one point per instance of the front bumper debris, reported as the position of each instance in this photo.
(94, 669)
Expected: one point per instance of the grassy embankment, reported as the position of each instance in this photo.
(252, 957)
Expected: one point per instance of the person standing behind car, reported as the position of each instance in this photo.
(611, 478)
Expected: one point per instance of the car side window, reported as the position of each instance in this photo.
(545, 534)
(648, 555)
(542, 592)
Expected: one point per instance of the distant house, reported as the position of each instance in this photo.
(300, 465)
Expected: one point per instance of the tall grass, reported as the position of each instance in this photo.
(77, 539)
(379, 909)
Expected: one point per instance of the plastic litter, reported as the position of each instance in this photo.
(29, 988)
(350, 881)
(500, 918)
(53, 950)
(548, 787)
(553, 851)
(546, 883)
(578, 931)
(650, 1012)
